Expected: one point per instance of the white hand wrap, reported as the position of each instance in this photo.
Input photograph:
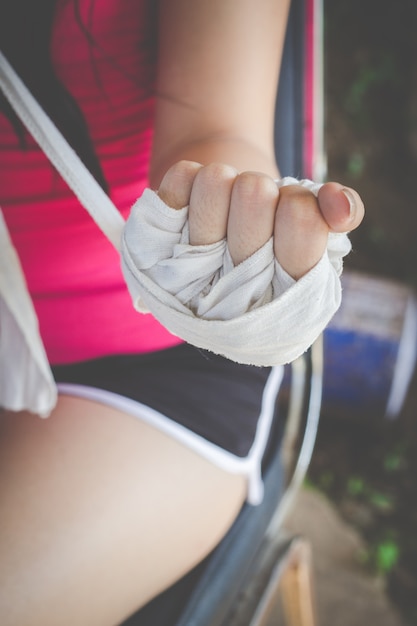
(253, 313)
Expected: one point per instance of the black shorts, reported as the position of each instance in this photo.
(222, 409)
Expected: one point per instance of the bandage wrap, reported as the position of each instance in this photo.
(254, 313)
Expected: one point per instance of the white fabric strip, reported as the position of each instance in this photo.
(257, 451)
(253, 313)
(406, 359)
(60, 153)
(26, 380)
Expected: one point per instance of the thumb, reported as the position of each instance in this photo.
(341, 207)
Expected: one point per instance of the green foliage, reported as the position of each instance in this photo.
(381, 501)
(387, 553)
(355, 486)
(380, 557)
(356, 165)
(395, 459)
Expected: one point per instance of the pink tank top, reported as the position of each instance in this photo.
(72, 271)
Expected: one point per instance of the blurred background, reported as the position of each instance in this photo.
(365, 463)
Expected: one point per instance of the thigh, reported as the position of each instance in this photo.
(99, 513)
(209, 395)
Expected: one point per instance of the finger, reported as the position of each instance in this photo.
(210, 202)
(300, 233)
(176, 185)
(252, 213)
(341, 207)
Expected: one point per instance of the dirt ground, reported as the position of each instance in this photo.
(345, 594)
(369, 466)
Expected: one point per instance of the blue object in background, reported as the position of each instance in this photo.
(370, 347)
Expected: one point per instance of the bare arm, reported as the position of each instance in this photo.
(218, 69)
(217, 79)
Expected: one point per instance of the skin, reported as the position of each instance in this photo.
(98, 511)
(248, 209)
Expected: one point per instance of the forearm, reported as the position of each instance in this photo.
(218, 69)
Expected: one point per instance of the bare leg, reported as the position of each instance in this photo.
(100, 512)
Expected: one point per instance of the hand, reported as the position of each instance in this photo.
(248, 208)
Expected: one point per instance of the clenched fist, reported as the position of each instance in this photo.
(248, 208)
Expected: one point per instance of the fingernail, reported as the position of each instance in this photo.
(352, 201)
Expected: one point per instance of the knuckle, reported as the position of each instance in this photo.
(176, 185)
(300, 203)
(185, 166)
(214, 174)
(255, 187)
(182, 171)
